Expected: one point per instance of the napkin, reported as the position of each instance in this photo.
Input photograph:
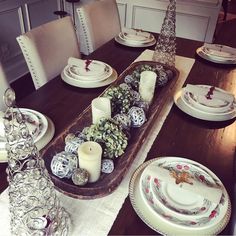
(86, 67)
(213, 194)
(210, 96)
(135, 34)
(220, 50)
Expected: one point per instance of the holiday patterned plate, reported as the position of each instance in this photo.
(166, 223)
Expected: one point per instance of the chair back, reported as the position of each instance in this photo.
(99, 22)
(4, 85)
(47, 48)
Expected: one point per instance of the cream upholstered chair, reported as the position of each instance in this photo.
(47, 48)
(4, 85)
(99, 22)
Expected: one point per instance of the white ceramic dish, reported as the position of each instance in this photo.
(41, 143)
(74, 82)
(167, 201)
(134, 44)
(135, 39)
(96, 71)
(71, 71)
(158, 224)
(213, 105)
(188, 108)
(214, 59)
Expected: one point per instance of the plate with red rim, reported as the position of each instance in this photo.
(164, 226)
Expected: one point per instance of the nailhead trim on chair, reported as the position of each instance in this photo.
(81, 16)
(30, 65)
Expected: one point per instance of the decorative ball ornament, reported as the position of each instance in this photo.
(107, 166)
(142, 104)
(137, 115)
(80, 176)
(63, 164)
(135, 95)
(124, 120)
(72, 144)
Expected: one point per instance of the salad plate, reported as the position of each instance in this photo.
(211, 224)
(183, 102)
(135, 43)
(94, 72)
(208, 98)
(203, 53)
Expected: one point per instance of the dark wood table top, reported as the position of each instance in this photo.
(209, 143)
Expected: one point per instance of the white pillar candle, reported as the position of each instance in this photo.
(147, 85)
(101, 108)
(90, 158)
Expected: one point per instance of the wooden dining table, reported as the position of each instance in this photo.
(210, 143)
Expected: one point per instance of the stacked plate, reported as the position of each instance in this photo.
(170, 208)
(41, 128)
(217, 53)
(88, 73)
(206, 102)
(135, 38)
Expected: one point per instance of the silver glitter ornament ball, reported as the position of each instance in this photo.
(137, 115)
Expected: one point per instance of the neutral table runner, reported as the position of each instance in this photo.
(96, 217)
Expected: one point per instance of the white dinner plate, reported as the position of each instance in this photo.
(214, 59)
(41, 143)
(119, 40)
(186, 106)
(77, 83)
(157, 223)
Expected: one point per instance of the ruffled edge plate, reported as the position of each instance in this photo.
(156, 223)
(76, 83)
(194, 112)
(40, 144)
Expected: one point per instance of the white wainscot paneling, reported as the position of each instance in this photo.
(122, 7)
(187, 25)
(10, 53)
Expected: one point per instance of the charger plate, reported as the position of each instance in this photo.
(156, 221)
(186, 106)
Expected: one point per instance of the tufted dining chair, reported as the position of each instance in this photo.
(4, 85)
(99, 22)
(47, 48)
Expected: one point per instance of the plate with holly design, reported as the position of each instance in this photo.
(156, 207)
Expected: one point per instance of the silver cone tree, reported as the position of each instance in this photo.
(166, 44)
(34, 206)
